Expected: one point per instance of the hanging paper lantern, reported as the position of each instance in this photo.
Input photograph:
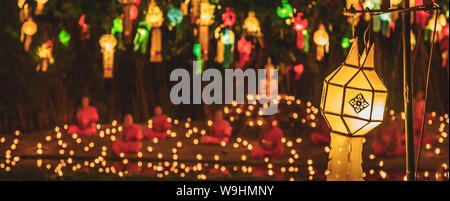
(285, 10)
(206, 19)
(305, 40)
(421, 16)
(299, 26)
(108, 43)
(345, 43)
(385, 24)
(184, 7)
(117, 26)
(44, 53)
(134, 12)
(321, 39)
(353, 103)
(141, 37)
(24, 10)
(40, 6)
(245, 49)
(175, 16)
(29, 28)
(251, 24)
(64, 37)
(225, 46)
(228, 18)
(84, 27)
(126, 5)
(298, 69)
(155, 19)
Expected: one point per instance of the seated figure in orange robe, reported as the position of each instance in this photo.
(271, 145)
(159, 128)
(87, 117)
(389, 140)
(220, 129)
(131, 136)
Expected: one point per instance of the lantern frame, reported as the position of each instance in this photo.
(339, 116)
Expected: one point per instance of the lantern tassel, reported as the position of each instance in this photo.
(345, 158)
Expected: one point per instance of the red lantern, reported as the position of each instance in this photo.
(421, 16)
(298, 69)
(300, 25)
(228, 18)
(134, 12)
(245, 49)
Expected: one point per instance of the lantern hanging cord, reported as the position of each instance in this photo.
(364, 36)
(426, 92)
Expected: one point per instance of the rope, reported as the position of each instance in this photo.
(426, 94)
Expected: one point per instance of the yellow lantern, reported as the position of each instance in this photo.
(108, 44)
(353, 103)
(251, 24)
(40, 6)
(206, 19)
(321, 39)
(29, 28)
(24, 10)
(44, 53)
(154, 18)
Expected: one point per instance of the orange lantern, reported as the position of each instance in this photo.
(108, 44)
(29, 28)
(40, 6)
(206, 19)
(45, 55)
(251, 24)
(321, 39)
(155, 19)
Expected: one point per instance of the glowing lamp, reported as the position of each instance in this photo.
(353, 103)
(245, 49)
(285, 10)
(321, 39)
(154, 19)
(84, 27)
(251, 24)
(175, 15)
(206, 19)
(345, 43)
(134, 12)
(300, 25)
(228, 17)
(40, 6)
(64, 37)
(108, 43)
(24, 10)
(44, 53)
(298, 69)
(141, 38)
(29, 28)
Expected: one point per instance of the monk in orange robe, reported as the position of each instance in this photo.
(270, 143)
(132, 134)
(220, 129)
(160, 125)
(87, 117)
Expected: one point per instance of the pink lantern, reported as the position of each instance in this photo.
(245, 49)
(298, 69)
(134, 12)
(421, 16)
(84, 27)
(228, 18)
(300, 25)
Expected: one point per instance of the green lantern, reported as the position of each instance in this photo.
(117, 26)
(285, 10)
(64, 37)
(345, 43)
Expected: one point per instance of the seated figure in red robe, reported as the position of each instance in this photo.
(389, 140)
(270, 143)
(159, 128)
(131, 136)
(220, 129)
(322, 136)
(87, 117)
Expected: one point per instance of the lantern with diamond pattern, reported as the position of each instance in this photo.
(353, 103)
